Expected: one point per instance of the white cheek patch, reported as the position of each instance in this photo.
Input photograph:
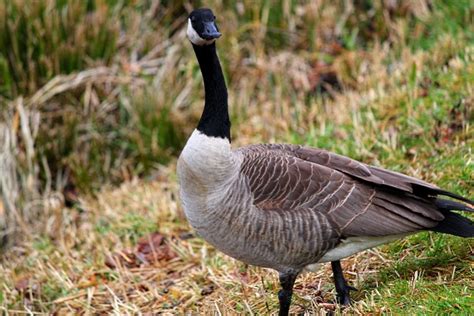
(194, 37)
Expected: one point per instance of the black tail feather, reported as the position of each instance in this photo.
(448, 205)
(455, 196)
(455, 224)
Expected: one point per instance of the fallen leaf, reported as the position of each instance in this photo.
(152, 248)
(149, 249)
(22, 284)
(148, 243)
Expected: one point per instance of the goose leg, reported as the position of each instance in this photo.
(287, 280)
(342, 288)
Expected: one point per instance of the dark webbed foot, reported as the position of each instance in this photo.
(342, 288)
(287, 280)
(343, 295)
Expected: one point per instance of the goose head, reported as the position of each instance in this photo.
(202, 29)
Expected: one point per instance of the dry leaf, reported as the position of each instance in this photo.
(150, 249)
(22, 284)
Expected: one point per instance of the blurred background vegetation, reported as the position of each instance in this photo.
(97, 92)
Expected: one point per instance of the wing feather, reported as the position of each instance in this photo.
(357, 199)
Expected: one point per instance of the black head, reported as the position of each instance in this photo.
(202, 28)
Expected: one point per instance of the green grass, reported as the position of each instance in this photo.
(41, 39)
(430, 298)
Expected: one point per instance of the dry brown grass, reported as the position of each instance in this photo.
(86, 267)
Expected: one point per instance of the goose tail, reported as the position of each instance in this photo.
(453, 223)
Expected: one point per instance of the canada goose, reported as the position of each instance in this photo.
(288, 206)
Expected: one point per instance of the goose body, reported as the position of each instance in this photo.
(287, 207)
(221, 206)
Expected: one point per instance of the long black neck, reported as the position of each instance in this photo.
(215, 117)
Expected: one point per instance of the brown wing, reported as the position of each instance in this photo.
(355, 169)
(357, 199)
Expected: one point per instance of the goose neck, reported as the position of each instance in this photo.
(214, 120)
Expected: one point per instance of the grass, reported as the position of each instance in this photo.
(93, 120)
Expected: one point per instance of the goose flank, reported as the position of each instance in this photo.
(287, 207)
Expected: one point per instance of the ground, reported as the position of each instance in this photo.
(109, 256)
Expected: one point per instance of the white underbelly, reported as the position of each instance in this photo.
(352, 245)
